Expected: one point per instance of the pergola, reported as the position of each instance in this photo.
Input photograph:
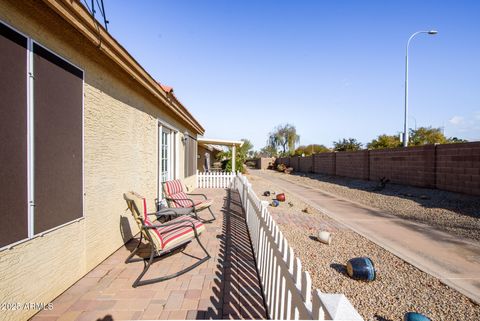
(224, 142)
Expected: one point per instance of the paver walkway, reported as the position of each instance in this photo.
(224, 287)
(455, 261)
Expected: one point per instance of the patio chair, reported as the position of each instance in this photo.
(164, 238)
(176, 197)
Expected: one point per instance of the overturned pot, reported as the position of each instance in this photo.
(324, 237)
(414, 316)
(281, 197)
(361, 268)
(275, 203)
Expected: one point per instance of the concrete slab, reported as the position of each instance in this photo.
(453, 260)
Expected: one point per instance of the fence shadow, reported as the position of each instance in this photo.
(237, 288)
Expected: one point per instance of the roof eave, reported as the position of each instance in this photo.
(77, 15)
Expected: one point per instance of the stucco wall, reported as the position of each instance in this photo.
(120, 154)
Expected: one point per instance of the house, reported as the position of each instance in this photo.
(81, 123)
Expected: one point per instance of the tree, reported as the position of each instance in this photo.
(453, 140)
(284, 137)
(310, 149)
(385, 141)
(268, 151)
(240, 158)
(347, 145)
(426, 135)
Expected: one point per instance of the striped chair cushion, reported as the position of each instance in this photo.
(173, 187)
(183, 231)
(141, 205)
(181, 200)
(203, 204)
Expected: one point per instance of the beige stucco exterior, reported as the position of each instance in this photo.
(120, 154)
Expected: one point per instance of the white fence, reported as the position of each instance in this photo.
(287, 290)
(214, 179)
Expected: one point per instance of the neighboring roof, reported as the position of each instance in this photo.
(78, 16)
(222, 142)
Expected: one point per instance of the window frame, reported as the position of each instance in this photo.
(173, 150)
(29, 78)
(31, 180)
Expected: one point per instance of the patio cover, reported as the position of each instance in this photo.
(223, 142)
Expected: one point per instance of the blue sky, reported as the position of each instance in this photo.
(334, 69)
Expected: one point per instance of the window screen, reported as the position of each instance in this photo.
(190, 156)
(13, 136)
(58, 96)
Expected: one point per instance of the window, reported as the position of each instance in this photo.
(166, 155)
(58, 126)
(13, 136)
(190, 156)
(41, 133)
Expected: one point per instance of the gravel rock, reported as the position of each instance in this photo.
(458, 214)
(399, 287)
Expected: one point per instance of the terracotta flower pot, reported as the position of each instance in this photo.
(281, 197)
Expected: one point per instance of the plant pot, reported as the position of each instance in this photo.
(414, 316)
(324, 237)
(361, 268)
(275, 203)
(281, 197)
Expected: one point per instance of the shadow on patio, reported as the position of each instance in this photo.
(224, 287)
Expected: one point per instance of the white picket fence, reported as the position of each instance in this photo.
(286, 289)
(214, 179)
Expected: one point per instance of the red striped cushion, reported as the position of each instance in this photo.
(173, 187)
(141, 204)
(173, 235)
(181, 200)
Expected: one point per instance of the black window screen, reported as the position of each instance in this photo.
(13, 136)
(190, 156)
(58, 96)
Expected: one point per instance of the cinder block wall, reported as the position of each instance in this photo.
(458, 168)
(305, 164)
(410, 166)
(120, 154)
(295, 163)
(451, 167)
(352, 164)
(324, 163)
(263, 162)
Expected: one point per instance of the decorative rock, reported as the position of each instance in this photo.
(324, 237)
(275, 203)
(281, 197)
(361, 268)
(414, 316)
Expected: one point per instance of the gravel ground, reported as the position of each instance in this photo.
(399, 286)
(455, 213)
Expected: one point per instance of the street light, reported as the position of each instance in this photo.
(405, 125)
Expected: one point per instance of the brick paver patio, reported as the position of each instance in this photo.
(224, 287)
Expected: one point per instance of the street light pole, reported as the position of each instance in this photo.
(405, 124)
